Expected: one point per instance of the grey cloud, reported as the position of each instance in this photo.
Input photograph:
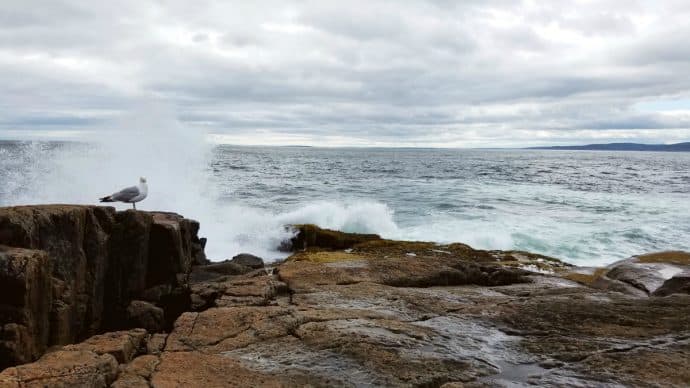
(385, 71)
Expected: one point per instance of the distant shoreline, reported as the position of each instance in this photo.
(677, 147)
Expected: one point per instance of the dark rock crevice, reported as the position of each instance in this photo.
(81, 266)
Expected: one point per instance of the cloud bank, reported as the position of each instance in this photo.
(387, 73)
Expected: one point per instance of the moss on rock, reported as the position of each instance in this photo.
(315, 256)
(319, 245)
(671, 257)
(586, 278)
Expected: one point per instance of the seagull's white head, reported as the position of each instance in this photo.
(142, 180)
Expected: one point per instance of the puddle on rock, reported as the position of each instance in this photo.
(473, 339)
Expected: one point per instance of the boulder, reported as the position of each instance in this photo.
(652, 272)
(596, 278)
(203, 273)
(678, 284)
(637, 276)
(146, 315)
(311, 236)
(248, 260)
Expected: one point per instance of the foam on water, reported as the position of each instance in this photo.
(584, 227)
(361, 217)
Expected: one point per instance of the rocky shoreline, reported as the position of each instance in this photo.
(93, 297)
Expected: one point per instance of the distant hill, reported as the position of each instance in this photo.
(678, 147)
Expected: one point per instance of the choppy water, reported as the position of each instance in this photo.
(585, 207)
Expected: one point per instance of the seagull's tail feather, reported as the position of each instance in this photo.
(107, 199)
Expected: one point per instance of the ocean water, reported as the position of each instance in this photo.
(587, 208)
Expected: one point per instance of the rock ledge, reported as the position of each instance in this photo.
(353, 310)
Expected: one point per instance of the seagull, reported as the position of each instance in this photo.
(130, 194)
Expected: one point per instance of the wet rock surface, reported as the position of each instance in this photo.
(655, 274)
(385, 313)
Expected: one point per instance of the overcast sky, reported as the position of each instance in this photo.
(405, 73)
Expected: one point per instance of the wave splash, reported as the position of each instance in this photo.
(175, 160)
(229, 191)
(356, 217)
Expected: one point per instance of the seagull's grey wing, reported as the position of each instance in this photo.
(126, 195)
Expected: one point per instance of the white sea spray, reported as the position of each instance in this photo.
(586, 208)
